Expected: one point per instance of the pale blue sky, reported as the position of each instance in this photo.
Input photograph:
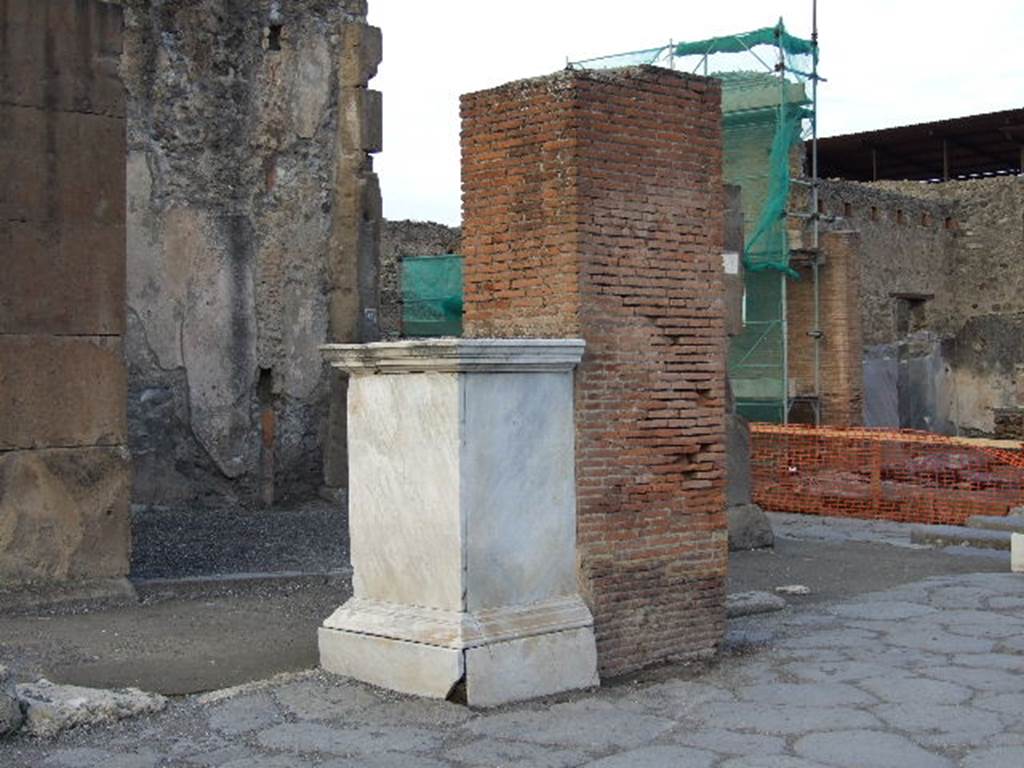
(888, 62)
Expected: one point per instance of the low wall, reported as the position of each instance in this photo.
(901, 475)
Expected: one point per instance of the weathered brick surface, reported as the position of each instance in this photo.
(842, 348)
(593, 206)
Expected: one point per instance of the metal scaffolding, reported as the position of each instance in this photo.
(765, 74)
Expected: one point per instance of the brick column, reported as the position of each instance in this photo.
(842, 349)
(593, 206)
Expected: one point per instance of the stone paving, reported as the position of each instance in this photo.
(926, 675)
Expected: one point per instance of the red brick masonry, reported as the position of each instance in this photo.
(593, 207)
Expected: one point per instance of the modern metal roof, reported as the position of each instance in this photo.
(980, 145)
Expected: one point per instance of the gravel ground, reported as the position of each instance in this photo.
(181, 542)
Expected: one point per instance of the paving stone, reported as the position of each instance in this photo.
(951, 723)
(265, 761)
(486, 753)
(658, 757)
(362, 740)
(808, 695)
(673, 698)
(1008, 661)
(1011, 645)
(1006, 603)
(745, 639)
(311, 700)
(837, 638)
(770, 761)
(587, 724)
(430, 713)
(980, 679)
(1000, 757)
(855, 749)
(1006, 703)
(86, 757)
(217, 758)
(881, 610)
(385, 761)
(959, 596)
(244, 713)
(835, 671)
(731, 742)
(752, 603)
(897, 658)
(937, 640)
(785, 719)
(898, 689)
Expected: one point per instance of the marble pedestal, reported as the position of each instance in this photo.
(462, 518)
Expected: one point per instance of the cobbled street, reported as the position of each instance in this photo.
(929, 674)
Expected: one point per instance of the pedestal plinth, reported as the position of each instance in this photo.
(462, 520)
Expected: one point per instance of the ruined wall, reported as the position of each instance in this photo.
(253, 228)
(570, 230)
(64, 469)
(398, 240)
(942, 283)
(906, 248)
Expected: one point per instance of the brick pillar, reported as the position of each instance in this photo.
(593, 206)
(842, 348)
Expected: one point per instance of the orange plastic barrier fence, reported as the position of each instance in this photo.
(901, 475)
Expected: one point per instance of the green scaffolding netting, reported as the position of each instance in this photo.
(765, 106)
(432, 295)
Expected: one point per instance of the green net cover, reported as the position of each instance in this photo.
(432, 295)
(765, 76)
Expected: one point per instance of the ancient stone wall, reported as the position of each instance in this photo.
(570, 229)
(253, 229)
(906, 248)
(64, 469)
(398, 240)
(941, 299)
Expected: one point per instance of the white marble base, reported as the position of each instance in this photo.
(415, 668)
(462, 520)
(531, 666)
(495, 674)
(1017, 552)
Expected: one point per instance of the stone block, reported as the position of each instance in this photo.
(739, 484)
(64, 514)
(62, 167)
(361, 124)
(68, 282)
(1017, 552)
(59, 392)
(362, 50)
(531, 666)
(11, 716)
(51, 709)
(62, 55)
(749, 528)
(408, 667)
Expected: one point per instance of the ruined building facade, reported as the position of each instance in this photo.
(188, 210)
(253, 227)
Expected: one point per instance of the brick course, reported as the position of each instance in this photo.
(593, 207)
